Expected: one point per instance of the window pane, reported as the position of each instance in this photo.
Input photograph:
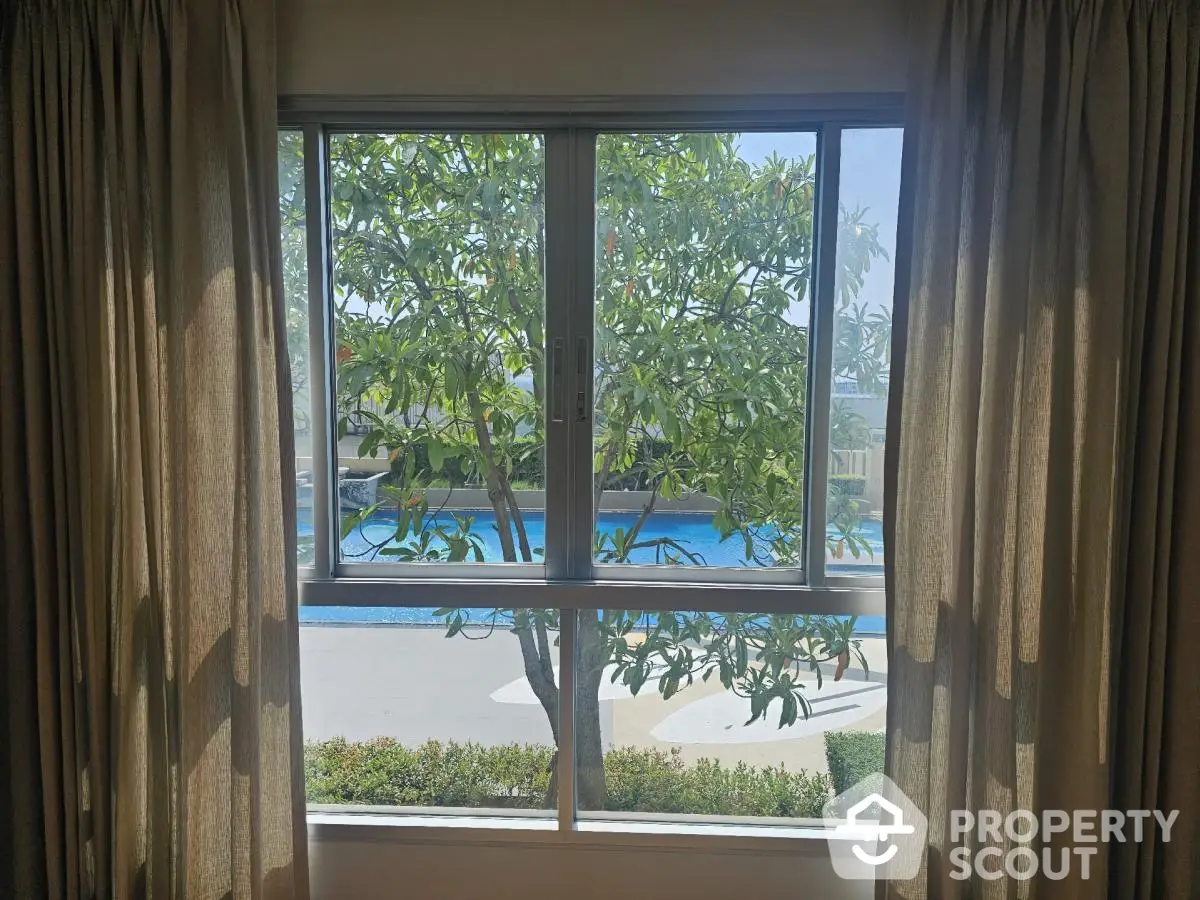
(439, 250)
(704, 244)
(862, 337)
(397, 715)
(295, 292)
(654, 735)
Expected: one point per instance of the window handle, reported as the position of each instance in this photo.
(581, 365)
(558, 384)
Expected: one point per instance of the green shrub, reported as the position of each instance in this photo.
(852, 756)
(659, 781)
(383, 772)
(847, 485)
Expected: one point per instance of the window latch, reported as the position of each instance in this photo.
(581, 357)
(558, 384)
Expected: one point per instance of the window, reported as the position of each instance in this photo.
(703, 267)
(292, 212)
(589, 438)
(396, 715)
(721, 714)
(862, 338)
(439, 324)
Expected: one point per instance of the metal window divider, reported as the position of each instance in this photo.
(560, 285)
(579, 298)
(820, 347)
(582, 298)
(567, 622)
(320, 344)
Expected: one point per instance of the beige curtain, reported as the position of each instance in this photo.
(148, 677)
(1044, 539)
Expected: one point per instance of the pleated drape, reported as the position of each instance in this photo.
(149, 678)
(1044, 514)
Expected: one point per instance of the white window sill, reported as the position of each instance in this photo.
(617, 831)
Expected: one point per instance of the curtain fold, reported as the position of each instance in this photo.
(150, 682)
(1044, 529)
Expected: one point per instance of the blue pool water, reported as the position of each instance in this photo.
(692, 530)
(392, 615)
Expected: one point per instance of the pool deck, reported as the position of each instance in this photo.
(414, 684)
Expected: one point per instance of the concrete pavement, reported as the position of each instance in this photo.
(413, 684)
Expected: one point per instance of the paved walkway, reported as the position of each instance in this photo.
(412, 683)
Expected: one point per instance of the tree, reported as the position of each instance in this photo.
(701, 376)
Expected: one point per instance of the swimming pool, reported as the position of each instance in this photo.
(694, 531)
(392, 615)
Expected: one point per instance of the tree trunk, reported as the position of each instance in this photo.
(539, 672)
(492, 477)
(517, 519)
(589, 748)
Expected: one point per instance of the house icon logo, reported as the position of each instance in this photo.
(875, 832)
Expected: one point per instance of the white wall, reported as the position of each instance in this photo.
(591, 47)
(367, 870)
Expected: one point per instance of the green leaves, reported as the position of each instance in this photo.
(437, 454)
(702, 261)
(862, 347)
(489, 196)
(758, 657)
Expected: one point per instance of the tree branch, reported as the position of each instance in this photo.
(544, 652)
(610, 455)
(518, 519)
(543, 686)
(641, 521)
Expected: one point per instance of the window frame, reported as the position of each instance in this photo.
(568, 580)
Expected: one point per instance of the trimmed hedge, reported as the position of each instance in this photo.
(383, 772)
(658, 781)
(847, 485)
(852, 756)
